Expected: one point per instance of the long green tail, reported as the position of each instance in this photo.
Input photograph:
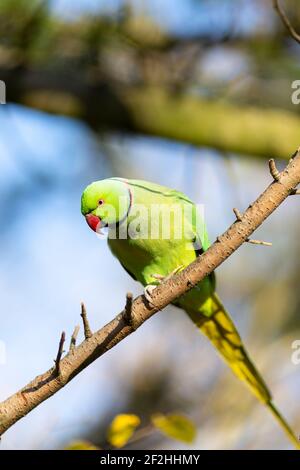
(220, 330)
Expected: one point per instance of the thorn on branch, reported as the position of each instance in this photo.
(74, 338)
(258, 242)
(86, 326)
(190, 284)
(273, 170)
(286, 21)
(237, 214)
(295, 154)
(60, 352)
(295, 192)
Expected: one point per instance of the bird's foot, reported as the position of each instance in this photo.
(148, 290)
(160, 278)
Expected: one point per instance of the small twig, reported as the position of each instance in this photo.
(273, 170)
(286, 21)
(60, 352)
(74, 338)
(142, 433)
(258, 242)
(249, 240)
(86, 326)
(237, 214)
(128, 309)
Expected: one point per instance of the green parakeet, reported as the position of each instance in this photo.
(154, 231)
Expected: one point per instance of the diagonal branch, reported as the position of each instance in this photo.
(47, 384)
(286, 21)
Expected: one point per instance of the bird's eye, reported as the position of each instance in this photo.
(100, 202)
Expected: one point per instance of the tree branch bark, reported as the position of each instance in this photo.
(286, 21)
(78, 358)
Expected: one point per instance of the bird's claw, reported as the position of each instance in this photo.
(161, 278)
(148, 290)
(148, 293)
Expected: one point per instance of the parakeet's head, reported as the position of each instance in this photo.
(105, 203)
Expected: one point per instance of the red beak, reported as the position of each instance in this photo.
(93, 221)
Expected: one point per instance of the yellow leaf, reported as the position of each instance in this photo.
(121, 429)
(175, 426)
(81, 445)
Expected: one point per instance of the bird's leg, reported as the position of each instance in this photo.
(160, 278)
